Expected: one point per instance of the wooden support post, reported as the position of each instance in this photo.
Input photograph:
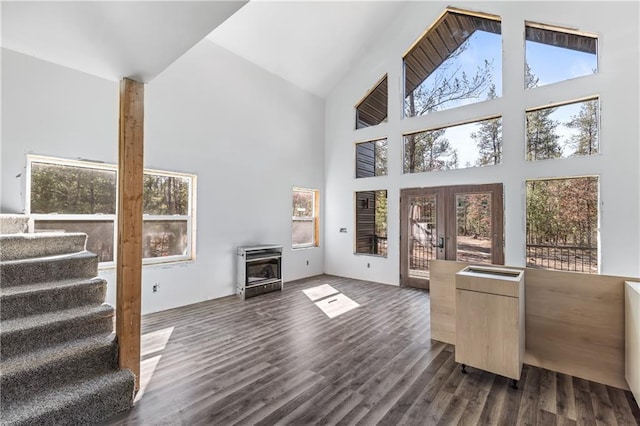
(129, 260)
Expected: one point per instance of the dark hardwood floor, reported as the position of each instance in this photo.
(278, 359)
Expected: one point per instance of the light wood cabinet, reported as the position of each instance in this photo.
(632, 336)
(490, 319)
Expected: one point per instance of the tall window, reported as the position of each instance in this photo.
(304, 218)
(455, 63)
(562, 224)
(80, 196)
(371, 222)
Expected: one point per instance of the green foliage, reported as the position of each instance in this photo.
(563, 211)
(380, 157)
(381, 213)
(446, 86)
(542, 138)
(165, 195)
(428, 151)
(474, 215)
(72, 190)
(586, 122)
(65, 189)
(489, 138)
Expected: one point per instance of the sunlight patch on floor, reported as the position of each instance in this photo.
(336, 305)
(329, 300)
(320, 292)
(151, 346)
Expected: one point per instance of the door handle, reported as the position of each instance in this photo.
(440, 243)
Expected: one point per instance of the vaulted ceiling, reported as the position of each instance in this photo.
(111, 39)
(312, 44)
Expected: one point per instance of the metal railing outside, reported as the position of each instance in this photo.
(563, 258)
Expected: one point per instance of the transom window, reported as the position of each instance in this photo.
(556, 54)
(456, 147)
(80, 196)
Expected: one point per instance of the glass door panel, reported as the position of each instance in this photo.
(423, 235)
(463, 223)
(473, 227)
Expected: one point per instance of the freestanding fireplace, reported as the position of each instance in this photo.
(259, 270)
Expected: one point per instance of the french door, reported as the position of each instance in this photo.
(463, 222)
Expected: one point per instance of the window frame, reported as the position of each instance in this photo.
(369, 96)
(598, 247)
(374, 141)
(356, 227)
(474, 120)
(99, 165)
(449, 10)
(315, 228)
(561, 104)
(563, 30)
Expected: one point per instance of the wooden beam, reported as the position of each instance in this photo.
(129, 260)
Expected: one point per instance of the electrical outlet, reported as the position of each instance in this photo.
(156, 287)
(368, 265)
(307, 263)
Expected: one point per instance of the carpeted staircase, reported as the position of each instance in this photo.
(58, 353)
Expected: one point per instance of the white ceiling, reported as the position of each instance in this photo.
(312, 44)
(111, 39)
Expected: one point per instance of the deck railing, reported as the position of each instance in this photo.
(563, 258)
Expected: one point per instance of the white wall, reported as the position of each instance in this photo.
(248, 135)
(616, 83)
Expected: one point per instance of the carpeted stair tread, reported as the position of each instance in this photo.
(13, 223)
(23, 376)
(84, 402)
(38, 331)
(41, 244)
(83, 264)
(33, 299)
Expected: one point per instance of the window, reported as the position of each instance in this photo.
(166, 227)
(563, 131)
(371, 158)
(562, 224)
(80, 196)
(372, 110)
(455, 63)
(371, 222)
(456, 147)
(304, 218)
(556, 54)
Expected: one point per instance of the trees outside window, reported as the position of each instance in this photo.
(80, 196)
(562, 224)
(304, 218)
